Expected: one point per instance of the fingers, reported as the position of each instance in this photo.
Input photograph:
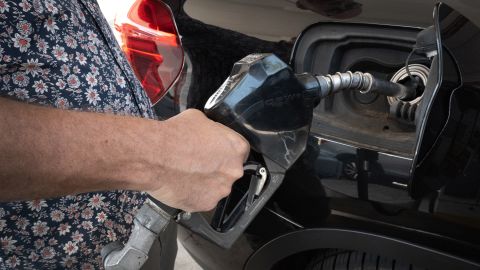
(205, 161)
(243, 147)
(239, 142)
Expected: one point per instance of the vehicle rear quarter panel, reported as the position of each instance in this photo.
(283, 20)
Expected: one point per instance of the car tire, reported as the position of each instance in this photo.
(337, 259)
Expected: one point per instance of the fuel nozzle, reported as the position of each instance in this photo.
(322, 86)
(272, 107)
(266, 78)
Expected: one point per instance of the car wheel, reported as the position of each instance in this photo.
(335, 259)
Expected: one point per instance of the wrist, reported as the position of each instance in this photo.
(144, 155)
(124, 158)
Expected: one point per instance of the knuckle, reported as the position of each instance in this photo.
(241, 144)
(210, 206)
(225, 191)
(190, 110)
(193, 112)
(237, 173)
(244, 147)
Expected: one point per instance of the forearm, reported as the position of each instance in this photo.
(188, 162)
(46, 152)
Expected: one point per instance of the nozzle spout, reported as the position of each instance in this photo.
(322, 86)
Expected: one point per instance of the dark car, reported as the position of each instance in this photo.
(384, 183)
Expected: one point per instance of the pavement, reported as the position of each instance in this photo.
(184, 260)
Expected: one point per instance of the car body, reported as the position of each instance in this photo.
(383, 183)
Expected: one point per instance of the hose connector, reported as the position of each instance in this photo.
(330, 84)
(357, 81)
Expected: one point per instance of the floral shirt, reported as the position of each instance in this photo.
(61, 53)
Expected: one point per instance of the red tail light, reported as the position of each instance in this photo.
(152, 45)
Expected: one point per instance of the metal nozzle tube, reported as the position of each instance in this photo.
(323, 86)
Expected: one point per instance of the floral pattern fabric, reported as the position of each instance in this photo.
(62, 54)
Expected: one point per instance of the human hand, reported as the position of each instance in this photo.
(200, 162)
